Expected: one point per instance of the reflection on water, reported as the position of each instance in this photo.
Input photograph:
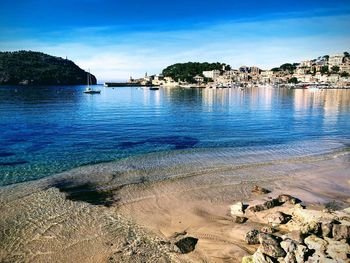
(45, 130)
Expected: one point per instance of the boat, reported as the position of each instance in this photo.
(153, 88)
(90, 90)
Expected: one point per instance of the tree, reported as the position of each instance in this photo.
(293, 80)
(275, 69)
(335, 69)
(344, 74)
(326, 57)
(346, 54)
(324, 69)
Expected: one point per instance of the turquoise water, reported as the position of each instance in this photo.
(47, 130)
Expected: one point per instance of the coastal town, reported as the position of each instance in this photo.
(325, 71)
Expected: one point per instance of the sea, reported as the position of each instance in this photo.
(47, 130)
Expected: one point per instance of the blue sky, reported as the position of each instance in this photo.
(116, 39)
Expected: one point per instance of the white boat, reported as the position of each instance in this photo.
(90, 90)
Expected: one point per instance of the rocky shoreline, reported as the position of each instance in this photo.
(292, 233)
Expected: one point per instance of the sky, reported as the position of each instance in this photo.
(118, 39)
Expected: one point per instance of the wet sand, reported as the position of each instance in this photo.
(126, 212)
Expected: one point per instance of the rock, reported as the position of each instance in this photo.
(296, 235)
(316, 243)
(186, 245)
(288, 245)
(338, 249)
(318, 257)
(240, 219)
(270, 245)
(248, 259)
(177, 234)
(312, 227)
(341, 231)
(237, 209)
(259, 257)
(268, 229)
(265, 206)
(251, 237)
(326, 229)
(278, 218)
(260, 190)
(287, 199)
(300, 253)
(290, 258)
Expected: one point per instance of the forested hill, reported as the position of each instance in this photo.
(36, 68)
(186, 71)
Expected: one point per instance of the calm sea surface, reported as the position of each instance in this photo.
(47, 130)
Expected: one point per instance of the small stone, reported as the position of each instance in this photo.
(316, 243)
(251, 237)
(240, 219)
(268, 229)
(278, 218)
(259, 257)
(288, 245)
(270, 245)
(287, 199)
(260, 190)
(247, 259)
(265, 206)
(237, 209)
(186, 244)
(341, 232)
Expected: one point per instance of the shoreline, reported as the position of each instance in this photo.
(48, 214)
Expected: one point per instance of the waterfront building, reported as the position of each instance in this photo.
(211, 74)
(335, 60)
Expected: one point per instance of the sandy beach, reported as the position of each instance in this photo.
(124, 212)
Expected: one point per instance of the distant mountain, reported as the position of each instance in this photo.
(36, 68)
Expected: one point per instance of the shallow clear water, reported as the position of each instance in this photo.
(46, 130)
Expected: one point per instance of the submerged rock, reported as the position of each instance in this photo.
(260, 190)
(186, 245)
(270, 245)
(240, 219)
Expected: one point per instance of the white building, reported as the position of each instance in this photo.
(212, 74)
(335, 60)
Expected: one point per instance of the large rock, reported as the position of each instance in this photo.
(237, 209)
(251, 237)
(338, 250)
(270, 245)
(316, 243)
(186, 245)
(240, 219)
(341, 231)
(296, 235)
(300, 253)
(278, 218)
(290, 258)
